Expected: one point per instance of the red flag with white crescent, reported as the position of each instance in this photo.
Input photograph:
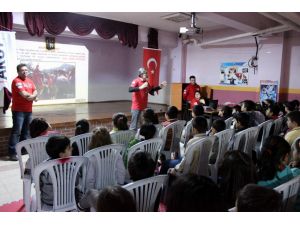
(151, 63)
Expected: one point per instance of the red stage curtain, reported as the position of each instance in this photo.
(6, 21)
(55, 23)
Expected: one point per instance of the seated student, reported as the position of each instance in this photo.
(295, 162)
(140, 166)
(273, 168)
(56, 147)
(240, 123)
(119, 121)
(256, 117)
(39, 127)
(254, 198)
(82, 127)
(149, 116)
(236, 109)
(147, 131)
(272, 112)
(193, 193)
(296, 104)
(101, 137)
(115, 199)
(293, 123)
(236, 170)
(225, 112)
(171, 117)
(197, 100)
(217, 126)
(199, 132)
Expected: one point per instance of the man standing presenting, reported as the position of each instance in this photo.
(23, 94)
(140, 89)
(189, 95)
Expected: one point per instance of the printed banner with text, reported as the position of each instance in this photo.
(8, 59)
(151, 63)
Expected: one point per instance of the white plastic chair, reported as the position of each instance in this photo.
(289, 192)
(228, 122)
(82, 141)
(293, 146)
(185, 136)
(36, 150)
(63, 173)
(266, 128)
(104, 160)
(223, 139)
(176, 128)
(152, 146)
(122, 137)
(145, 192)
(277, 125)
(204, 146)
(249, 137)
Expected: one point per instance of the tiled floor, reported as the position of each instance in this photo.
(11, 186)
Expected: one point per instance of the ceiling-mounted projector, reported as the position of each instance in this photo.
(193, 29)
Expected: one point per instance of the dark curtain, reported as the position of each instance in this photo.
(56, 22)
(6, 21)
(152, 38)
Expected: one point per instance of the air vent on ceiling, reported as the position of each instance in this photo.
(177, 17)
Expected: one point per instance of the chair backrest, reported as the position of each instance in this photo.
(82, 141)
(104, 159)
(228, 122)
(249, 136)
(176, 128)
(289, 192)
(223, 139)
(186, 133)
(36, 148)
(266, 128)
(277, 125)
(293, 146)
(152, 146)
(63, 173)
(145, 192)
(204, 146)
(122, 137)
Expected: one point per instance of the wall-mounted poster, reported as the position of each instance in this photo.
(268, 90)
(234, 73)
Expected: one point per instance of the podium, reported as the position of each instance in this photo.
(176, 95)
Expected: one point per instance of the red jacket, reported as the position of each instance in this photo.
(189, 92)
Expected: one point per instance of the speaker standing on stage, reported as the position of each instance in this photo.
(23, 94)
(140, 89)
(189, 91)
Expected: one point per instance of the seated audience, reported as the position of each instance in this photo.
(236, 109)
(225, 112)
(82, 127)
(149, 116)
(56, 147)
(256, 117)
(40, 127)
(273, 168)
(199, 132)
(193, 193)
(253, 198)
(272, 112)
(236, 170)
(119, 121)
(293, 123)
(101, 137)
(147, 131)
(217, 126)
(295, 162)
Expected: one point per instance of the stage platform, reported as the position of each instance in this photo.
(64, 117)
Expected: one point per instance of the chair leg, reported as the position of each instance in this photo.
(27, 193)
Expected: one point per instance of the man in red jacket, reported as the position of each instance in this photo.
(140, 89)
(189, 95)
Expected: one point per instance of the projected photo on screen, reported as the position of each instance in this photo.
(53, 80)
(60, 75)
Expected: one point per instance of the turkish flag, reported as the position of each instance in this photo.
(151, 63)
